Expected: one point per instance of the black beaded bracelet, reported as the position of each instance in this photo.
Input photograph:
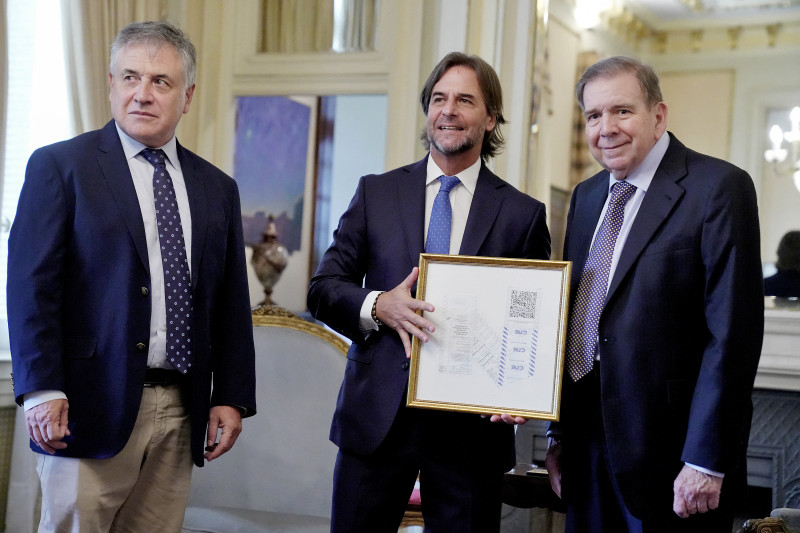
(375, 310)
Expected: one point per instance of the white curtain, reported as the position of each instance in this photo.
(3, 88)
(297, 26)
(355, 32)
(23, 484)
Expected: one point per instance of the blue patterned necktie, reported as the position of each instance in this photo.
(177, 283)
(438, 241)
(593, 286)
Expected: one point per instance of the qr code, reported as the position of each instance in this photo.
(522, 304)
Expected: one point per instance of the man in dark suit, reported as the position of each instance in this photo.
(383, 445)
(116, 406)
(657, 401)
(785, 283)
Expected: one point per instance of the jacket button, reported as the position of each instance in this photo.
(405, 365)
(144, 291)
(141, 346)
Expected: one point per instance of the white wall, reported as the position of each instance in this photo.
(699, 109)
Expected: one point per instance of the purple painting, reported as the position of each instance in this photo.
(270, 165)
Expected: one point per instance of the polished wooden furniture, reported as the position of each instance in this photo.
(766, 525)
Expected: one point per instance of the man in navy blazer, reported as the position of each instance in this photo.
(364, 288)
(117, 425)
(653, 438)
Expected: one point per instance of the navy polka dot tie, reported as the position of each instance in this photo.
(593, 286)
(438, 241)
(177, 283)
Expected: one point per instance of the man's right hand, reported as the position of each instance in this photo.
(398, 310)
(553, 464)
(47, 424)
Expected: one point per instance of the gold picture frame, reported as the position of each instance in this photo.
(500, 331)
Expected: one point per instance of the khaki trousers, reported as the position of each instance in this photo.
(143, 489)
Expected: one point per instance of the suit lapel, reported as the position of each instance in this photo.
(117, 175)
(662, 195)
(486, 203)
(586, 215)
(483, 211)
(412, 208)
(198, 206)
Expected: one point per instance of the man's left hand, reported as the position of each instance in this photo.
(229, 420)
(695, 492)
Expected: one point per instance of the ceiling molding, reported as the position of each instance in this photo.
(666, 15)
(726, 35)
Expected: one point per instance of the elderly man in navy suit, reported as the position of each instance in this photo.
(666, 322)
(127, 292)
(364, 288)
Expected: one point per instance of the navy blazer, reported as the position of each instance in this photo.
(680, 334)
(79, 291)
(377, 243)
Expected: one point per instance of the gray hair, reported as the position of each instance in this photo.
(614, 66)
(157, 33)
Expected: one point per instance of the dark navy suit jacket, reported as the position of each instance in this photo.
(79, 291)
(378, 242)
(680, 334)
(784, 284)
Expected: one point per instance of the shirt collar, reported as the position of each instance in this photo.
(643, 174)
(132, 147)
(468, 176)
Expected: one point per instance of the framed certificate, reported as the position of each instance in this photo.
(500, 330)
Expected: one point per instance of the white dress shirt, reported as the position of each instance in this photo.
(641, 178)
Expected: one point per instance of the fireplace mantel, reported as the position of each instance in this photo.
(772, 458)
(779, 368)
